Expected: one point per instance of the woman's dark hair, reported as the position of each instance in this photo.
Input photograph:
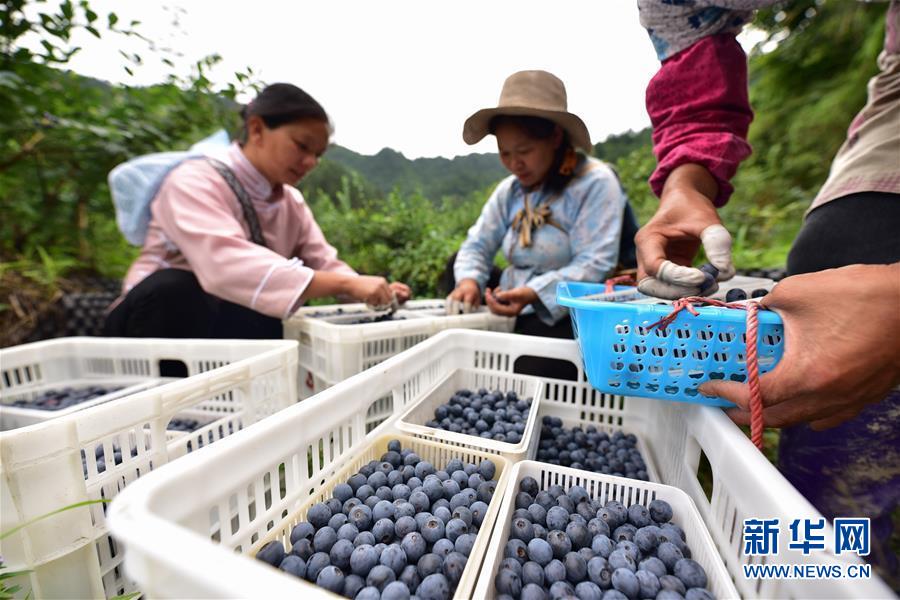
(542, 129)
(282, 103)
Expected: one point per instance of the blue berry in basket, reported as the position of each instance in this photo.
(758, 293)
(303, 548)
(465, 543)
(616, 594)
(394, 558)
(598, 526)
(513, 564)
(434, 587)
(654, 565)
(433, 530)
(364, 492)
(624, 532)
(379, 577)
(557, 518)
(453, 567)
(690, 573)
(347, 531)
(672, 584)
(672, 532)
(318, 515)
(560, 543)
(315, 564)
(602, 545)
(429, 563)
(508, 582)
(395, 590)
(272, 553)
(377, 479)
(698, 594)
(561, 589)
(455, 528)
(735, 294)
(669, 554)
(464, 514)
(540, 551)
(343, 492)
(487, 469)
(383, 510)
(451, 488)
(629, 548)
(619, 559)
(638, 515)
(420, 518)
(537, 514)
(579, 534)
(352, 585)
(364, 538)
(369, 593)
(554, 571)
(294, 565)
(349, 504)
(625, 581)
(331, 578)
(424, 468)
(394, 446)
(576, 567)
(647, 539)
(420, 501)
(522, 529)
(361, 517)
(516, 549)
(479, 510)
(302, 530)
(414, 545)
(383, 530)
(532, 572)
(410, 577)
(356, 481)
(443, 513)
(524, 500)
(363, 559)
(404, 525)
(587, 590)
(649, 583)
(339, 554)
(599, 572)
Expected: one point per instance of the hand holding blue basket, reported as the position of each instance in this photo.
(637, 350)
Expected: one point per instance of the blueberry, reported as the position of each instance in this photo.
(629, 548)
(540, 551)
(454, 565)
(554, 571)
(647, 538)
(532, 591)
(347, 531)
(395, 590)
(512, 564)
(522, 529)
(598, 527)
(653, 565)
(669, 554)
(557, 518)
(369, 593)
(315, 564)
(463, 513)
(424, 468)
(383, 510)
(709, 269)
(638, 515)
(561, 589)
(434, 587)
(759, 293)
(560, 543)
(516, 549)
(587, 590)
(362, 559)
(318, 515)
(649, 583)
(532, 572)
(690, 573)
(508, 582)
(340, 554)
(352, 585)
(420, 501)
(324, 539)
(444, 547)
(337, 520)
(698, 594)
(294, 565)
(414, 545)
(394, 446)
(619, 559)
(421, 518)
(576, 567)
(272, 553)
(529, 485)
(410, 577)
(602, 545)
(612, 594)
(361, 517)
(380, 576)
(364, 538)
(626, 582)
(303, 548)
(579, 535)
(302, 530)
(735, 294)
(455, 528)
(433, 530)
(599, 572)
(394, 558)
(349, 504)
(479, 510)
(465, 543)
(428, 564)
(671, 584)
(487, 469)
(673, 533)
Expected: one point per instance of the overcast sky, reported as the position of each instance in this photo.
(401, 73)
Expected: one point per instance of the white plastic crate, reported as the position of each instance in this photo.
(413, 419)
(433, 451)
(53, 464)
(334, 351)
(376, 414)
(606, 488)
(13, 417)
(167, 535)
(585, 416)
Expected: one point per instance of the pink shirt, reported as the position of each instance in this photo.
(197, 225)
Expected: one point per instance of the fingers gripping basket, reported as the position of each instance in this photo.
(624, 354)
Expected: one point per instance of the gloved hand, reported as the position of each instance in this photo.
(393, 305)
(464, 299)
(673, 281)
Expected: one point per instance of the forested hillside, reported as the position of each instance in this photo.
(62, 133)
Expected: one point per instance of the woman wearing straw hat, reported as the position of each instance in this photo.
(558, 217)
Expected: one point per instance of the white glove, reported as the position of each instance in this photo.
(675, 281)
(393, 305)
(455, 307)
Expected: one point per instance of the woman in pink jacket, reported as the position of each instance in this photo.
(232, 259)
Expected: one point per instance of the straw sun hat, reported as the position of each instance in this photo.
(535, 94)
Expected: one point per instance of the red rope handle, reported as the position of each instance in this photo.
(622, 279)
(752, 308)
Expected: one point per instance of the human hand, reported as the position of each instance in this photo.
(401, 291)
(841, 349)
(667, 244)
(509, 303)
(372, 290)
(465, 298)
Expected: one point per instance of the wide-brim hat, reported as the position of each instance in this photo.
(534, 94)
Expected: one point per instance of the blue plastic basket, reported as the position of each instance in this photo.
(622, 355)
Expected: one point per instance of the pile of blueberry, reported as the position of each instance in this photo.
(492, 415)
(101, 459)
(590, 450)
(396, 529)
(178, 424)
(736, 294)
(65, 397)
(376, 319)
(564, 544)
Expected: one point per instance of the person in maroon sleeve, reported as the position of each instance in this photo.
(841, 304)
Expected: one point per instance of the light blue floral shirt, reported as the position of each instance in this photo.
(590, 210)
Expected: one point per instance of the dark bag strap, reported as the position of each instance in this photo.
(243, 198)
